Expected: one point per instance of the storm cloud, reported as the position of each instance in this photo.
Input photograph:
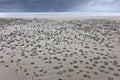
(59, 5)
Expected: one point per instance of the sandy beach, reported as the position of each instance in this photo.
(60, 48)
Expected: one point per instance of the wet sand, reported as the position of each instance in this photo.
(60, 48)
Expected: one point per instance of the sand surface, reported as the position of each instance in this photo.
(60, 48)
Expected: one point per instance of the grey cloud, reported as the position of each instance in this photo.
(58, 5)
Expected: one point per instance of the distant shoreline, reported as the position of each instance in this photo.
(61, 13)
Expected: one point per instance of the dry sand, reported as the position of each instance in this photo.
(60, 48)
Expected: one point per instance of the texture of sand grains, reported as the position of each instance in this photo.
(51, 49)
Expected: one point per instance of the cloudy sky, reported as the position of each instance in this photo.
(59, 5)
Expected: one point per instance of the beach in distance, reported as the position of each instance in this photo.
(59, 46)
